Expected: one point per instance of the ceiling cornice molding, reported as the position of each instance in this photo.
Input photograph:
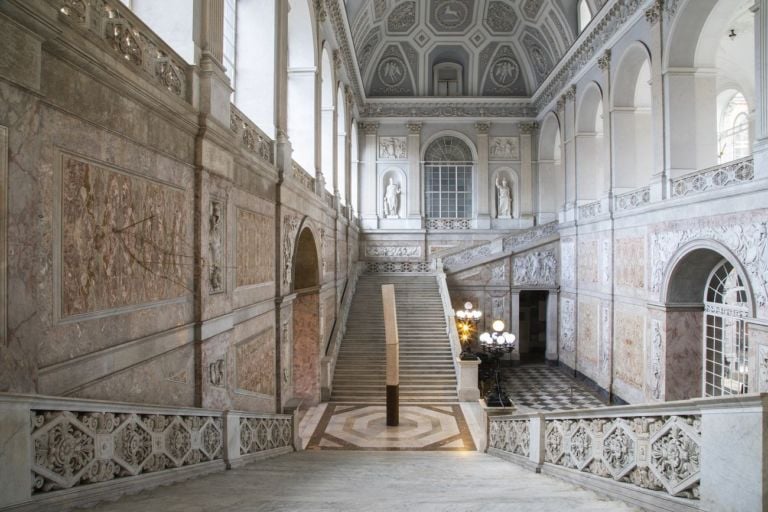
(340, 25)
(421, 107)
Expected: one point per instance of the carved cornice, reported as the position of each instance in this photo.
(414, 127)
(339, 27)
(320, 11)
(570, 93)
(336, 59)
(440, 108)
(561, 104)
(370, 128)
(482, 128)
(527, 128)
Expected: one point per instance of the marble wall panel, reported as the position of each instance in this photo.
(20, 61)
(218, 366)
(587, 341)
(568, 263)
(329, 316)
(587, 262)
(124, 239)
(306, 352)
(629, 333)
(255, 248)
(255, 364)
(758, 355)
(683, 354)
(630, 262)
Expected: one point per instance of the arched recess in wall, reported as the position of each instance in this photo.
(513, 182)
(551, 185)
(302, 66)
(632, 123)
(354, 174)
(255, 76)
(341, 143)
(306, 317)
(700, 345)
(393, 185)
(590, 140)
(450, 183)
(710, 52)
(327, 119)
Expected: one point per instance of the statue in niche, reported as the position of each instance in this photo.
(504, 194)
(392, 199)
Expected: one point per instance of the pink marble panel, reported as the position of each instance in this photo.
(255, 251)
(255, 360)
(630, 262)
(306, 354)
(586, 343)
(587, 258)
(684, 345)
(629, 364)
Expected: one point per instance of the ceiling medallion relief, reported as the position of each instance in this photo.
(402, 19)
(451, 16)
(500, 18)
(392, 76)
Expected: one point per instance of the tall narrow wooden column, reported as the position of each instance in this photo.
(393, 355)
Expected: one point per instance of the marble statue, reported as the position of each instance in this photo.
(504, 199)
(392, 199)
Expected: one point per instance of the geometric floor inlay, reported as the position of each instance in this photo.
(363, 427)
(546, 388)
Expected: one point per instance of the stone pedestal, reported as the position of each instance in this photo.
(467, 388)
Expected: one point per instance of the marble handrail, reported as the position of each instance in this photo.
(672, 455)
(66, 452)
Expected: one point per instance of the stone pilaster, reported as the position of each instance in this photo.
(514, 324)
(653, 16)
(569, 143)
(368, 183)
(483, 183)
(527, 131)
(760, 148)
(414, 199)
(604, 63)
(552, 327)
(215, 89)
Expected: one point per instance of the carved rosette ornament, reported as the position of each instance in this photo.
(604, 61)
(320, 12)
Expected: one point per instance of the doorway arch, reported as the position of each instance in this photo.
(707, 299)
(306, 318)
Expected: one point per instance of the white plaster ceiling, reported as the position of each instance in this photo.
(507, 47)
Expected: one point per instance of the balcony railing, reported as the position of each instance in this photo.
(303, 177)
(251, 137)
(632, 200)
(590, 210)
(448, 224)
(721, 176)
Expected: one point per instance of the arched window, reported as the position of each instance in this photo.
(447, 77)
(733, 127)
(230, 38)
(725, 308)
(585, 15)
(341, 143)
(448, 176)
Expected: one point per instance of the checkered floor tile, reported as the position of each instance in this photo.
(546, 388)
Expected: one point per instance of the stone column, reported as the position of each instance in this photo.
(483, 203)
(760, 148)
(215, 89)
(525, 200)
(283, 158)
(653, 16)
(604, 63)
(414, 201)
(368, 197)
(571, 190)
(514, 324)
(552, 317)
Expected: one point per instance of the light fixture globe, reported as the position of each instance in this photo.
(468, 305)
(498, 326)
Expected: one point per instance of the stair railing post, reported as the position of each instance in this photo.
(393, 355)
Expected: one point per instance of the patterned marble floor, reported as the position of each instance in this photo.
(363, 427)
(546, 388)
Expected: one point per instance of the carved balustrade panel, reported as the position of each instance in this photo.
(726, 175)
(260, 434)
(250, 136)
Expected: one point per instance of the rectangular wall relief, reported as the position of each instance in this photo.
(124, 239)
(255, 248)
(630, 262)
(255, 364)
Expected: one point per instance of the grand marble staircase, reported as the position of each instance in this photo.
(427, 373)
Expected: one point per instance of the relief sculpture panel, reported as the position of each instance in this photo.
(628, 344)
(123, 239)
(630, 262)
(255, 363)
(588, 327)
(255, 248)
(588, 261)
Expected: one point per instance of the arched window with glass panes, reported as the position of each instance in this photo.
(448, 179)
(726, 306)
(733, 126)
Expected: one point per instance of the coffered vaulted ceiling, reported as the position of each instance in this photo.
(506, 47)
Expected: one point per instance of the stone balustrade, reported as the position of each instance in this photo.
(713, 178)
(112, 26)
(632, 200)
(590, 210)
(251, 137)
(399, 267)
(67, 452)
(687, 455)
(303, 177)
(445, 224)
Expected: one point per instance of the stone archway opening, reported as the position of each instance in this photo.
(306, 319)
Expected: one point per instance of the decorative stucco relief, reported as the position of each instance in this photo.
(630, 262)
(629, 362)
(255, 364)
(568, 325)
(216, 246)
(656, 361)
(762, 361)
(588, 261)
(567, 264)
(123, 239)
(605, 338)
(605, 261)
(290, 229)
(535, 268)
(393, 148)
(587, 329)
(380, 251)
(748, 241)
(255, 248)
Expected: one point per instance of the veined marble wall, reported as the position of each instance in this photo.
(141, 236)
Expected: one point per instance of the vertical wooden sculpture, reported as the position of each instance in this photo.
(393, 355)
